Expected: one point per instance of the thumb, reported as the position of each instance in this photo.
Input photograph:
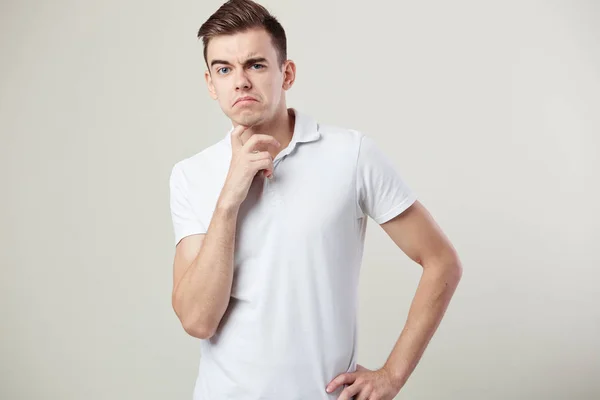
(236, 136)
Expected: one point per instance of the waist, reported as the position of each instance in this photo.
(294, 375)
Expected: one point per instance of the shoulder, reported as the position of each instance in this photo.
(356, 141)
(340, 139)
(340, 134)
(202, 165)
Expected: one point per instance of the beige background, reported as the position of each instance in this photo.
(489, 109)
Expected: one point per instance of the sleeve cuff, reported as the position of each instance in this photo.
(397, 210)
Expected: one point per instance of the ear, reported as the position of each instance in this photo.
(210, 85)
(289, 74)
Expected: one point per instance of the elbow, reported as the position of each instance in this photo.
(198, 330)
(457, 266)
(448, 266)
(455, 271)
(193, 325)
(453, 267)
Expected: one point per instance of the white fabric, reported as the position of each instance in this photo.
(291, 323)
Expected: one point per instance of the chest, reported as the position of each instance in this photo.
(301, 199)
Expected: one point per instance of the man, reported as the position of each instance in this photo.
(269, 229)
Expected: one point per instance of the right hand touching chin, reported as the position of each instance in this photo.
(247, 160)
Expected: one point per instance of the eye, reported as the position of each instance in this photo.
(220, 70)
(258, 65)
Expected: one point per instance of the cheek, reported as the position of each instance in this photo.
(273, 87)
(219, 88)
(223, 93)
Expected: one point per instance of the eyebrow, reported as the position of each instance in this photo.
(249, 61)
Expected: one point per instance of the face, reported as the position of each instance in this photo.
(245, 77)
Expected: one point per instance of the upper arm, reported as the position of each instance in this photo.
(418, 235)
(383, 195)
(188, 228)
(381, 192)
(186, 252)
(184, 215)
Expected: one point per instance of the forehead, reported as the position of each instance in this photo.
(240, 46)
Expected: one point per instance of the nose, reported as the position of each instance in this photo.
(241, 80)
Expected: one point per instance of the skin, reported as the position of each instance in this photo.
(417, 234)
(243, 64)
(246, 64)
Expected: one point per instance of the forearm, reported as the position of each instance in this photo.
(202, 295)
(436, 287)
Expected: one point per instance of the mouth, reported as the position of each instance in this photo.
(245, 100)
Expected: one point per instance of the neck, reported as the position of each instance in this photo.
(281, 127)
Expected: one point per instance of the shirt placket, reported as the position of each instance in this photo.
(271, 184)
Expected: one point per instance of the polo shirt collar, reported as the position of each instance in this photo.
(306, 130)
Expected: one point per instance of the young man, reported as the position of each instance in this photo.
(269, 229)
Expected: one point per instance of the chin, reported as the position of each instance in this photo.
(247, 118)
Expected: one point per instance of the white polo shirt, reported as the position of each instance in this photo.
(290, 327)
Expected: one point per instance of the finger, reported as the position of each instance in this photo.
(266, 165)
(236, 136)
(259, 140)
(260, 155)
(350, 392)
(343, 379)
(364, 394)
(264, 155)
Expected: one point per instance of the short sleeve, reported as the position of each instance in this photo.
(185, 220)
(381, 192)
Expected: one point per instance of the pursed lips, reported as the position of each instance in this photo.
(245, 98)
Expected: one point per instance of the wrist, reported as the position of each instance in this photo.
(396, 378)
(227, 207)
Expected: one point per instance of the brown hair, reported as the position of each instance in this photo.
(237, 16)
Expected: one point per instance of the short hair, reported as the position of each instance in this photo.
(236, 16)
